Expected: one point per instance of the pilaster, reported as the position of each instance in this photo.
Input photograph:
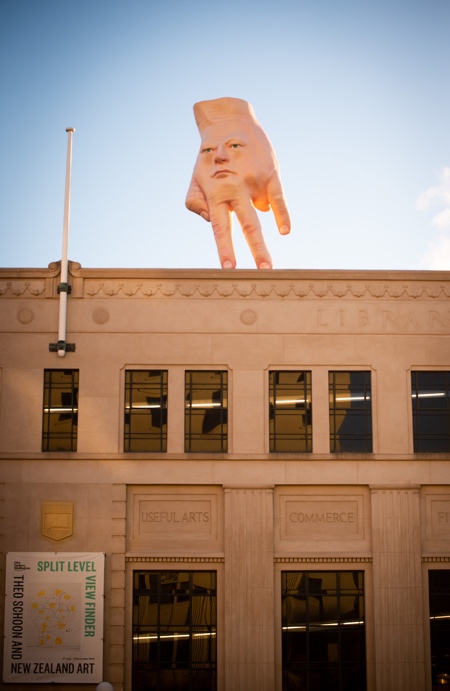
(398, 610)
(249, 590)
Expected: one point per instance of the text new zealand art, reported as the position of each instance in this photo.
(236, 171)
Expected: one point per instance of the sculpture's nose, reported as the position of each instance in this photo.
(221, 155)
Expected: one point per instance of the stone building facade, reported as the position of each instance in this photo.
(262, 456)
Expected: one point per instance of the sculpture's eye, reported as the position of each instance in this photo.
(207, 150)
(235, 145)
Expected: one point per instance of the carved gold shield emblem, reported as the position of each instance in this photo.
(57, 520)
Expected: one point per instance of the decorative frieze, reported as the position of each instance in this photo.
(132, 283)
(21, 289)
(435, 560)
(323, 560)
(264, 289)
(182, 560)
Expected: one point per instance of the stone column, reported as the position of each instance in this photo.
(398, 607)
(249, 590)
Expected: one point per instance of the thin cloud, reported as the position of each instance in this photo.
(437, 255)
(442, 220)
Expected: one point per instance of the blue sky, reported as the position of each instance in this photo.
(354, 95)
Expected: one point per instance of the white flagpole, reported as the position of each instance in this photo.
(63, 287)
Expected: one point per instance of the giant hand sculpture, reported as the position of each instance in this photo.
(236, 170)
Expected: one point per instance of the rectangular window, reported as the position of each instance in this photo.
(350, 412)
(206, 411)
(431, 411)
(174, 630)
(145, 410)
(323, 630)
(439, 594)
(60, 418)
(290, 423)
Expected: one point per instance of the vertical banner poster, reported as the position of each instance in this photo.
(54, 617)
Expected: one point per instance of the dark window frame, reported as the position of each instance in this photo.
(430, 395)
(439, 631)
(60, 408)
(324, 641)
(145, 405)
(350, 421)
(211, 417)
(294, 414)
(174, 630)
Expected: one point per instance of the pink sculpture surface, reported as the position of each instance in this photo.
(236, 171)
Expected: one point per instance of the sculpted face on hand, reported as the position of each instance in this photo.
(236, 171)
(220, 157)
(230, 153)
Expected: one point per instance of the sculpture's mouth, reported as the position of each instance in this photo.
(223, 171)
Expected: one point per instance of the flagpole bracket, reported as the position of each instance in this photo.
(62, 346)
(64, 288)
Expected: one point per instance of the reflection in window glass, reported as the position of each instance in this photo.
(431, 411)
(290, 424)
(145, 410)
(350, 412)
(60, 414)
(323, 631)
(439, 593)
(174, 630)
(206, 411)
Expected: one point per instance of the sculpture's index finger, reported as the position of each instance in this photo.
(251, 227)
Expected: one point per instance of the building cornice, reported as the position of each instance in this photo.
(289, 284)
